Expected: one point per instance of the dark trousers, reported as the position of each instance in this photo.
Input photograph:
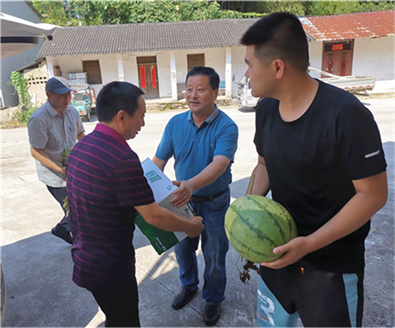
(60, 194)
(120, 306)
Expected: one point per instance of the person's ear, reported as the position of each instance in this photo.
(279, 68)
(121, 117)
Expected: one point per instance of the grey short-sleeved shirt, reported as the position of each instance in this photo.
(54, 134)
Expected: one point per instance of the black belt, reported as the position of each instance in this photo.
(198, 199)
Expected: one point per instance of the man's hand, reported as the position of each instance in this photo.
(196, 228)
(42, 157)
(371, 195)
(183, 193)
(293, 251)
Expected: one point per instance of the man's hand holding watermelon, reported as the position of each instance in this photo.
(371, 195)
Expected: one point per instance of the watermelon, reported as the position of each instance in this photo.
(255, 225)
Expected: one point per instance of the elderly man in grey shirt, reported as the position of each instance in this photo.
(53, 129)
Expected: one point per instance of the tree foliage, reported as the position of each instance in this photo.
(102, 12)
(308, 8)
(346, 7)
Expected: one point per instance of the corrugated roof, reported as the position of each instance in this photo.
(145, 37)
(350, 26)
(216, 33)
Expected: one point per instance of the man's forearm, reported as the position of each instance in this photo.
(166, 220)
(80, 136)
(259, 181)
(211, 173)
(160, 163)
(39, 155)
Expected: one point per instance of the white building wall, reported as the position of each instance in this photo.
(130, 68)
(315, 55)
(108, 67)
(239, 66)
(374, 57)
(182, 65)
(164, 74)
(216, 58)
(68, 64)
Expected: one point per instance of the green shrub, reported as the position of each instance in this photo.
(25, 108)
(23, 114)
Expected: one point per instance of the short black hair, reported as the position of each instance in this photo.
(116, 96)
(208, 71)
(279, 36)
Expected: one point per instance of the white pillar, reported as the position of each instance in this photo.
(2, 104)
(50, 68)
(121, 74)
(173, 75)
(228, 73)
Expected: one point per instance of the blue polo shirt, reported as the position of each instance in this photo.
(194, 148)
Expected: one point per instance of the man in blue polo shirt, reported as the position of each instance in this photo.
(203, 142)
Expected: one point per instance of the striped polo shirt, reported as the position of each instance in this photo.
(104, 183)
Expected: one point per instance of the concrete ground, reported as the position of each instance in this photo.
(38, 267)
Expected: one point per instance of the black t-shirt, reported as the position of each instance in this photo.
(311, 163)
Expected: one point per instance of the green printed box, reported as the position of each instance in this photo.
(162, 189)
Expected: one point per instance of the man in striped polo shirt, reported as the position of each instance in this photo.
(106, 187)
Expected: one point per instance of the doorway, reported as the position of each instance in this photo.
(337, 58)
(148, 76)
(195, 60)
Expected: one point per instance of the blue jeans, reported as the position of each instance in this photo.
(215, 245)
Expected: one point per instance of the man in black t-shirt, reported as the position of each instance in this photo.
(321, 155)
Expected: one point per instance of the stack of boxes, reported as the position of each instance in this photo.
(78, 78)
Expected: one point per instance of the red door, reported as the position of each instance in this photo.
(148, 79)
(337, 59)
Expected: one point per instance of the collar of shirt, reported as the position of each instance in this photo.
(53, 112)
(111, 133)
(209, 119)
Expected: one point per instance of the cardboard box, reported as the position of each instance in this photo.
(72, 76)
(81, 75)
(162, 188)
(81, 81)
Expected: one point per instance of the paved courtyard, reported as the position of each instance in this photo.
(38, 267)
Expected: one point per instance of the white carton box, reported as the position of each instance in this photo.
(162, 188)
(81, 75)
